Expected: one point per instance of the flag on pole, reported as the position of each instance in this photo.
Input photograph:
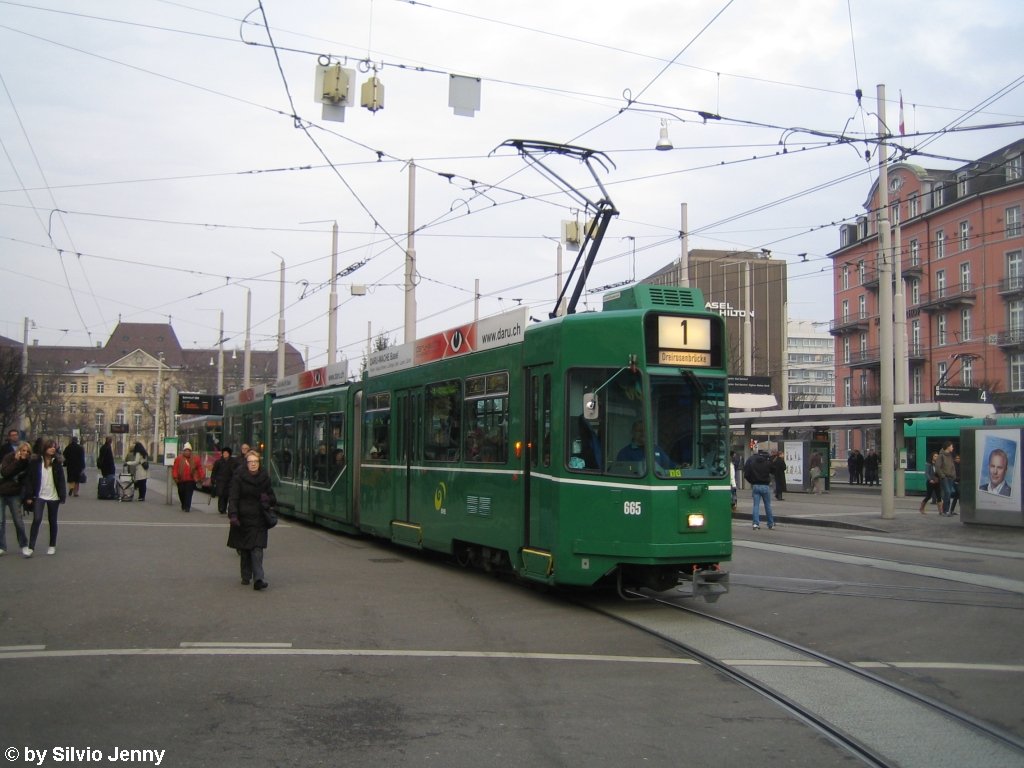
(902, 127)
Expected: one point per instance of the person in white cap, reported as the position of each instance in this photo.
(186, 472)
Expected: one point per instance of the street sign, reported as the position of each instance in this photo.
(192, 404)
(119, 429)
(947, 394)
(752, 385)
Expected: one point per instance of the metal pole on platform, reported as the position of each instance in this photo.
(885, 320)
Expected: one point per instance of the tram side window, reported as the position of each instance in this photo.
(257, 435)
(339, 454)
(443, 406)
(234, 432)
(377, 427)
(321, 453)
(546, 438)
(486, 418)
(284, 445)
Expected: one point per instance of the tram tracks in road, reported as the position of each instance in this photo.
(880, 722)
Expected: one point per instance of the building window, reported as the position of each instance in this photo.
(1013, 225)
(961, 185)
(862, 306)
(73, 388)
(916, 386)
(1015, 315)
(940, 244)
(846, 310)
(1014, 169)
(915, 337)
(965, 238)
(861, 272)
(894, 213)
(846, 276)
(138, 388)
(84, 407)
(1014, 271)
(120, 387)
(913, 205)
(61, 387)
(936, 196)
(846, 350)
(915, 253)
(942, 373)
(965, 324)
(915, 292)
(100, 420)
(119, 416)
(85, 388)
(940, 283)
(1017, 373)
(863, 345)
(72, 409)
(100, 387)
(137, 421)
(848, 391)
(941, 330)
(965, 276)
(967, 371)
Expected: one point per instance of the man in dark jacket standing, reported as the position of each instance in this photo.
(757, 471)
(105, 461)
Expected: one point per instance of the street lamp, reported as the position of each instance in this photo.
(157, 404)
(332, 306)
(280, 324)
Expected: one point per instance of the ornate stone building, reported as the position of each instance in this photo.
(84, 390)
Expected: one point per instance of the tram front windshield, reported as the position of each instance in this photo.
(620, 424)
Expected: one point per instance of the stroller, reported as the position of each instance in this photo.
(126, 484)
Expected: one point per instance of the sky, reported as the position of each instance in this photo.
(160, 160)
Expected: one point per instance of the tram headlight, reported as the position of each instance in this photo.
(695, 520)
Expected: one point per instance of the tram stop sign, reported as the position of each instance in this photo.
(191, 404)
(961, 395)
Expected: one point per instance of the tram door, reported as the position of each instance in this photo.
(302, 462)
(407, 438)
(355, 456)
(540, 505)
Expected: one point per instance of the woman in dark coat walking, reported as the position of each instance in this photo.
(249, 493)
(74, 463)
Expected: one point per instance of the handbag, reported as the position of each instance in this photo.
(145, 463)
(268, 512)
(82, 477)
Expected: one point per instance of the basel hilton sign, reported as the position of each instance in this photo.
(724, 308)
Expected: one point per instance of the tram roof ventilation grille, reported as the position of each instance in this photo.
(654, 296)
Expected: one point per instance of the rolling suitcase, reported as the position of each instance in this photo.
(106, 488)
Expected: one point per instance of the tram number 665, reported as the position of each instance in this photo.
(632, 508)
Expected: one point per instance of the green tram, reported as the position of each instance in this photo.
(588, 448)
(925, 437)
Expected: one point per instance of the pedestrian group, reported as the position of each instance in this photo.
(36, 479)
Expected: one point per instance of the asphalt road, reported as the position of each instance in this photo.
(137, 635)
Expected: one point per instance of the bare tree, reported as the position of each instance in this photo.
(15, 386)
